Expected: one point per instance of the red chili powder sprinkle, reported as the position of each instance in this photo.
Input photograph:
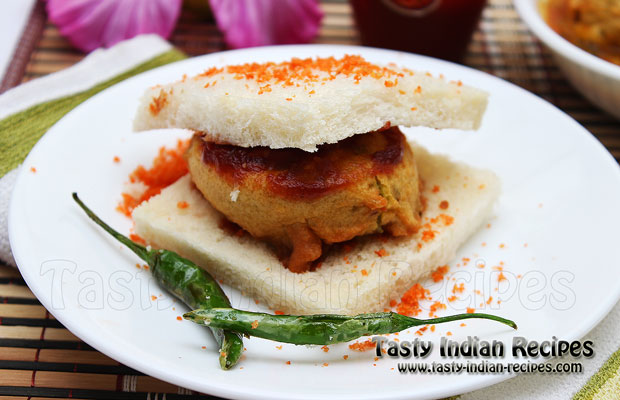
(159, 102)
(460, 288)
(279, 347)
(435, 189)
(345, 356)
(414, 108)
(137, 238)
(446, 219)
(452, 298)
(325, 348)
(168, 166)
(255, 324)
(501, 277)
(444, 205)
(117, 159)
(432, 328)
(438, 274)
(278, 312)
(305, 71)
(428, 235)
(393, 303)
(490, 300)
(325, 364)
(203, 347)
(179, 318)
(410, 302)
(364, 272)
(381, 252)
(362, 346)
(437, 306)
(288, 363)
(448, 333)
(153, 297)
(182, 204)
(33, 170)
(463, 324)
(502, 245)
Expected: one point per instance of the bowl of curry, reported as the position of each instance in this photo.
(584, 39)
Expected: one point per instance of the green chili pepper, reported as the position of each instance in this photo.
(322, 329)
(190, 283)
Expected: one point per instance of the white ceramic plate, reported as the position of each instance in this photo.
(561, 191)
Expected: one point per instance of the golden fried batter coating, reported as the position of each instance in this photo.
(299, 201)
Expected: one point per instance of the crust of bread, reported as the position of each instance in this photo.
(363, 279)
(244, 113)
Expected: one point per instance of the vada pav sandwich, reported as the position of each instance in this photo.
(339, 212)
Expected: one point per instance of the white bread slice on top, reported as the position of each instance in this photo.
(305, 103)
(373, 272)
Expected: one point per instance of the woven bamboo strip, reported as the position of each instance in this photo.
(22, 311)
(8, 272)
(17, 354)
(16, 291)
(55, 356)
(73, 380)
(10, 377)
(59, 334)
(75, 356)
(20, 332)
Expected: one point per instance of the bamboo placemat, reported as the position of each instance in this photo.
(41, 359)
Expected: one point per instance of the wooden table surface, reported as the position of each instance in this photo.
(39, 358)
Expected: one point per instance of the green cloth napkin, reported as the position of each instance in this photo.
(29, 110)
(20, 132)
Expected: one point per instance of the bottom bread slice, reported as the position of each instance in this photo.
(352, 279)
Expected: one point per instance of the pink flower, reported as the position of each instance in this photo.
(90, 24)
(247, 23)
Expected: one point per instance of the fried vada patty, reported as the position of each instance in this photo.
(298, 201)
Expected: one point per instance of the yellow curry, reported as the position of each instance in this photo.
(593, 25)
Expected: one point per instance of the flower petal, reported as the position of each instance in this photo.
(247, 23)
(90, 24)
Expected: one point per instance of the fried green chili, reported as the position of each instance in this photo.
(322, 329)
(190, 283)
